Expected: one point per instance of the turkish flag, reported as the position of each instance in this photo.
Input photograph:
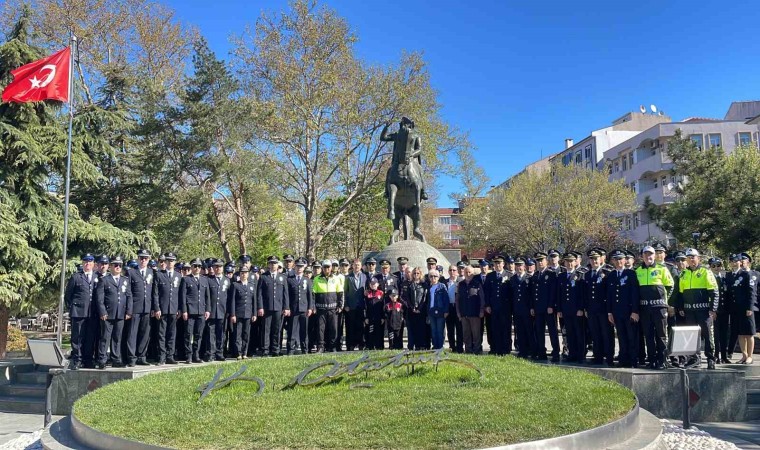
(44, 79)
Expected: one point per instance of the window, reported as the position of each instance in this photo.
(444, 220)
(628, 223)
(714, 140)
(633, 186)
(625, 163)
(636, 220)
(663, 181)
(447, 236)
(655, 183)
(587, 150)
(617, 167)
(745, 138)
(698, 140)
(578, 158)
(630, 159)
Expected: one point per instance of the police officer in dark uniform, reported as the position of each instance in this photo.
(80, 300)
(595, 300)
(144, 306)
(370, 262)
(242, 310)
(301, 309)
(219, 286)
(499, 307)
(114, 300)
(400, 274)
(194, 304)
(545, 308)
(623, 309)
(743, 291)
(289, 268)
(570, 299)
(168, 281)
(273, 304)
(722, 321)
(519, 294)
(356, 281)
(385, 278)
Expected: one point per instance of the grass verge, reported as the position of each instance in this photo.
(452, 407)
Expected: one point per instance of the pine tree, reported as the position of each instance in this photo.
(33, 146)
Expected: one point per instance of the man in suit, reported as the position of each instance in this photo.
(144, 306)
(114, 303)
(167, 281)
(273, 304)
(301, 309)
(356, 280)
(79, 298)
(194, 305)
(219, 286)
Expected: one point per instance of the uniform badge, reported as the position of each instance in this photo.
(124, 288)
(599, 280)
(699, 274)
(280, 278)
(251, 288)
(304, 283)
(572, 283)
(176, 282)
(654, 273)
(623, 280)
(149, 278)
(546, 277)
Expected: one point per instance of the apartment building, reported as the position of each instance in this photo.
(643, 164)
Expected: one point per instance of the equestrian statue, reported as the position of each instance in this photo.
(404, 186)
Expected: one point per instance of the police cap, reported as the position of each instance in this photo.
(553, 252)
(617, 254)
(540, 255)
(288, 258)
(116, 261)
(143, 253)
(384, 263)
(301, 262)
(370, 260)
(244, 258)
(88, 257)
(431, 260)
(103, 259)
(402, 260)
(569, 256)
(273, 260)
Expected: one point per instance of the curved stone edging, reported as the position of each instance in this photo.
(93, 438)
(600, 437)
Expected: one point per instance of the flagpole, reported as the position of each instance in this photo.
(58, 336)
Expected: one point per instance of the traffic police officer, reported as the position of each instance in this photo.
(655, 287)
(697, 301)
(328, 300)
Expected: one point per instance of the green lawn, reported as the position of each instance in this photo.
(515, 401)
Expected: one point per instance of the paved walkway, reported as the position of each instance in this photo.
(745, 435)
(14, 425)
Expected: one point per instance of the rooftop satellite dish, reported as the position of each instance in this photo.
(642, 109)
(653, 108)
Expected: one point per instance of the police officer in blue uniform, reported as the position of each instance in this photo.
(167, 281)
(194, 305)
(545, 308)
(623, 309)
(144, 306)
(273, 303)
(114, 300)
(301, 309)
(242, 309)
(595, 300)
(570, 299)
(80, 300)
(219, 286)
(498, 307)
(520, 295)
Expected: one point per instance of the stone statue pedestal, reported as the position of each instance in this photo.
(417, 252)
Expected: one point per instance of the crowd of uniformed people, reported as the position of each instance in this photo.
(165, 311)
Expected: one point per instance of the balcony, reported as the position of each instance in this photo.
(658, 196)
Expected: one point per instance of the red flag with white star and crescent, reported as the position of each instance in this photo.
(44, 79)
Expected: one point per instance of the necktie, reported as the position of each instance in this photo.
(143, 273)
(298, 280)
(89, 278)
(117, 280)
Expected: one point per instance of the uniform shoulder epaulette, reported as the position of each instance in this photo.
(582, 270)
(607, 268)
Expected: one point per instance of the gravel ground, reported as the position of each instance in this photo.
(675, 437)
(30, 441)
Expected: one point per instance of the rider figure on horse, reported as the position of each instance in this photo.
(407, 149)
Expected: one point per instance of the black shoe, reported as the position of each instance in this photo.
(131, 364)
(726, 361)
(710, 364)
(100, 366)
(117, 365)
(142, 362)
(161, 363)
(555, 359)
(171, 361)
(197, 360)
(659, 366)
(189, 361)
(73, 365)
(89, 366)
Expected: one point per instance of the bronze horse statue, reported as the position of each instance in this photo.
(404, 187)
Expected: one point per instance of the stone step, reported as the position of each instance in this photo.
(752, 412)
(752, 382)
(23, 390)
(753, 397)
(748, 369)
(35, 377)
(22, 405)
